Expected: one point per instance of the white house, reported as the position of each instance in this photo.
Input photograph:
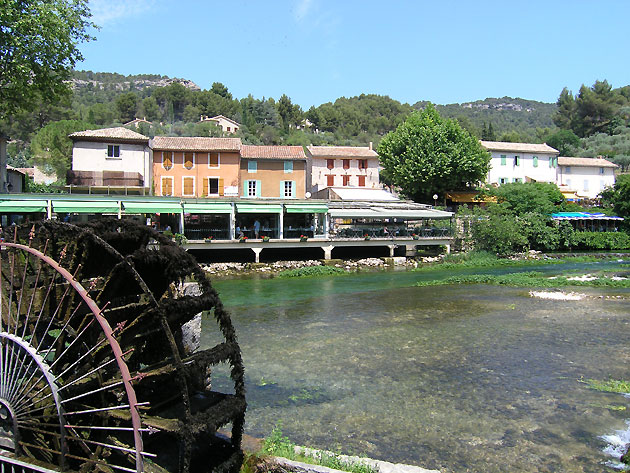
(521, 162)
(342, 166)
(227, 124)
(587, 177)
(110, 159)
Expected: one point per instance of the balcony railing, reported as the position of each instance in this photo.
(104, 178)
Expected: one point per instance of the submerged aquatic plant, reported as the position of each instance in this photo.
(610, 386)
(526, 279)
(310, 271)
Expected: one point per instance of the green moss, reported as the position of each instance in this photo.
(610, 386)
(310, 271)
(526, 279)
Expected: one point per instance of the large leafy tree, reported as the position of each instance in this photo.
(428, 154)
(523, 197)
(38, 49)
(619, 196)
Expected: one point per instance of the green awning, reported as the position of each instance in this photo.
(23, 206)
(259, 208)
(306, 208)
(209, 208)
(93, 207)
(152, 207)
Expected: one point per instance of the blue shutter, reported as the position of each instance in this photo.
(288, 166)
(293, 189)
(258, 188)
(245, 186)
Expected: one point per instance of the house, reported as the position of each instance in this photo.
(587, 177)
(521, 162)
(342, 166)
(226, 124)
(137, 121)
(195, 166)
(273, 172)
(110, 159)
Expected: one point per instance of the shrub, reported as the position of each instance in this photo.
(601, 240)
(310, 271)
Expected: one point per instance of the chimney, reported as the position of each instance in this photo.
(370, 146)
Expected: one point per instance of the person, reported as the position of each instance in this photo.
(239, 232)
(257, 228)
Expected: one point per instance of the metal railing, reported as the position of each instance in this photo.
(11, 465)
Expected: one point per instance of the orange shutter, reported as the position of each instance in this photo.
(189, 187)
(346, 164)
(221, 186)
(330, 163)
(188, 160)
(167, 188)
(361, 181)
(214, 160)
(330, 181)
(205, 187)
(167, 160)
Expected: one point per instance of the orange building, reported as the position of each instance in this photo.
(196, 166)
(273, 172)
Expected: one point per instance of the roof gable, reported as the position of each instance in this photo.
(518, 147)
(118, 133)
(272, 152)
(341, 152)
(195, 143)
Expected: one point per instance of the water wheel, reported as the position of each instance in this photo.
(97, 373)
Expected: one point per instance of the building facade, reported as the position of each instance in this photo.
(109, 158)
(342, 166)
(587, 177)
(273, 172)
(521, 162)
(195, 166)
(226, 124)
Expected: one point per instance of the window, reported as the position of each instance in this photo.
(517, 160)
(550, 161)
(167, 160)
(601, 170)
(568, 181)
(517, 179)
(288, 167)
(535, 161)
(330, 180)
(251, 188)
(252, 166)
(287, 189)
(228, 128)
(113, 151)
(189, 160)
(213, 186)
(213, 160)
(567, 170)
(167, 186)
(346, 180)
(361, 181)
(330, 163)
(503, 160)
(586, 184)
(503, 180)
(555, 162)
(602, 185)
(363, 164)
(346, 164)
(188, 185)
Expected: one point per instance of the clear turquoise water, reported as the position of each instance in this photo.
(456, 378)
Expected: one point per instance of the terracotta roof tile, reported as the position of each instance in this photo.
(273, 152)
(341, 152)
(594, 162)
(195, 143)
(518, 147)
(117, 133)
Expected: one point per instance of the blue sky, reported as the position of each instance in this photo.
(318, 50)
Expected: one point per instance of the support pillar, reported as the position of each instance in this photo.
(232, 224)
(257, 252)
(410, 250)
(328, 251)
(448, 248)
(281, 224)
(391, 250)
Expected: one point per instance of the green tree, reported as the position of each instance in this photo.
(618, 196)
(428, 154)
(52, 149)
(565, 141)
(567, 109)
(499, 231)
(523, 197)
(127, 105)
(150, 109)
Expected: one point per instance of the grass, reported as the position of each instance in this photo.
(310, 271)
(280, 446)
(610, 386)
(526, 279)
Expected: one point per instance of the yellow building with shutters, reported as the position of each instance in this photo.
(196, 166)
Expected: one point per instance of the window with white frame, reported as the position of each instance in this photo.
(214, 160)
(252, 166)
(601, 170)
(113, 151)
(586, 184)
(213, 186)
(188, 186)
(288, 167)
(288, 189)
(251, 188)
(167, 186)
(167, 160)
(503, 180)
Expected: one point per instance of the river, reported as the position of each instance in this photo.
(456, 378)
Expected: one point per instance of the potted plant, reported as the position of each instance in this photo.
(303, 238)
(414, 236)
(242, 239)
(367, 237)
(265, 238)
(208, 239)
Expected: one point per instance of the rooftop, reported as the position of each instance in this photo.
(593, 162)
(341, 152)
(195, 143)
(518, 147)
(108, 134)
(273, 152)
